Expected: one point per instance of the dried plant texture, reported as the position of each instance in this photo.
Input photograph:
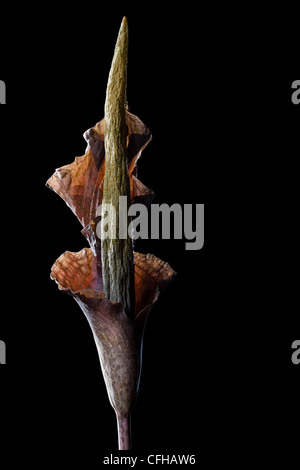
(80, 184)
(117, 253)
(118, 337)
(107, 170)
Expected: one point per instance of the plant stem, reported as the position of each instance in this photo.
(124, 432)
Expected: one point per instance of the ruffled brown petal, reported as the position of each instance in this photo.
(80, 184)
(75, 272)
(79, 272)
(151, 277)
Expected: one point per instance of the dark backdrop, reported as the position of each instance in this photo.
(216, 359)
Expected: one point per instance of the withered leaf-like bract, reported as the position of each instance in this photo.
(114, 286)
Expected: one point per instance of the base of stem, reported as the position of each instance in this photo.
(124, 432)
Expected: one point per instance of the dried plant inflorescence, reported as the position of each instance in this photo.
(117, 254)
(114, 286)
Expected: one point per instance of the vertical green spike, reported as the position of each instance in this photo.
(117, 254)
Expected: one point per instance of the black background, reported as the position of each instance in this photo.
(217, 374)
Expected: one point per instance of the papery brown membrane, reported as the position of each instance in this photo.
(118, 337)
(80, 184)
